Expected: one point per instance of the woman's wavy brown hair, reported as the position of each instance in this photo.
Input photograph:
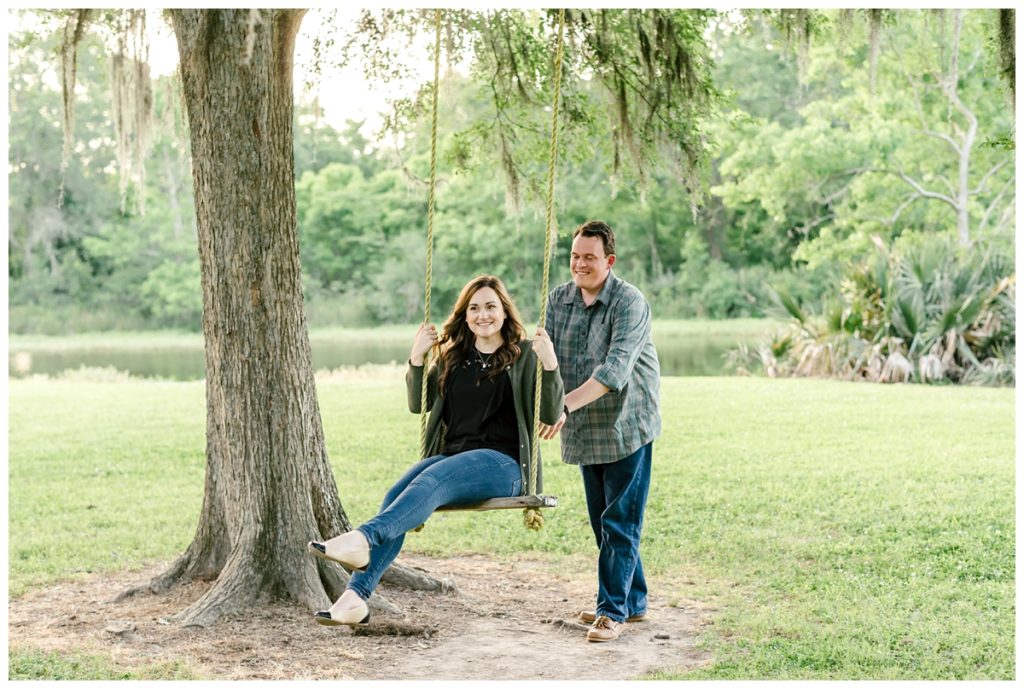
(457, 340)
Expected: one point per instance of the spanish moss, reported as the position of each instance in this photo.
(796, 27)
(74, 30)
(132, 99)
(844, 25)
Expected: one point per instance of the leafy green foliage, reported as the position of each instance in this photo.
(173, 294)
(831, 180)
(925, 311)
(801, 168)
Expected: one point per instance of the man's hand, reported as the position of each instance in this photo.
(548, 432)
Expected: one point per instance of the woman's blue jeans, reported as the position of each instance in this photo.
(460, 479)
(616, 498)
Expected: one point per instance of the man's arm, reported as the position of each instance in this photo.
(577, 399)
(631, 328)
(591, 390)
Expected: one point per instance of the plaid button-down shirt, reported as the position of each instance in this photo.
(610, 340)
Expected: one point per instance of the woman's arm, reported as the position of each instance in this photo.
(414, 383)
(552, 396)
(426, 338)
(551, 391)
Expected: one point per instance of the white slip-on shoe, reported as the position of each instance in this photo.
(351, 617)
(350, 550)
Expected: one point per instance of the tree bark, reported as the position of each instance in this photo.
(269, 486)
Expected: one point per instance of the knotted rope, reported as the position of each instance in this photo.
(532, 516)
(430, 229)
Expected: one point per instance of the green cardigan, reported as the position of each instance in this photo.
(523, 374)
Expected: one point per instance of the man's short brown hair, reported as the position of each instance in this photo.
(598, 228)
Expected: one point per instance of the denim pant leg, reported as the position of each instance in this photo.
(616, 498)
(464, 478)
(362, 582)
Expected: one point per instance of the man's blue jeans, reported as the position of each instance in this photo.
(616, 498)
(460, 479)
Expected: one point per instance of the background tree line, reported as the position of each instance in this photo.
(814, 150)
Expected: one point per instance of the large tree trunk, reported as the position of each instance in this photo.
(269, 487)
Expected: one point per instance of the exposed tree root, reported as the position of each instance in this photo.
(333, 577)
(191, 565)
(159, 584)
(416, 580)
(236, 589)
(379, 603)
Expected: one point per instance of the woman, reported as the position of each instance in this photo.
(481, 391)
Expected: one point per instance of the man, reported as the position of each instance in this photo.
(601, 328)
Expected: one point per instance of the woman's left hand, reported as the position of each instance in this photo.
(545, 350)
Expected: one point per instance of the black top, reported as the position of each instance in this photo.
(478, 411)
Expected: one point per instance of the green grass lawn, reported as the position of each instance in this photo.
(836, 530)
(53, 666)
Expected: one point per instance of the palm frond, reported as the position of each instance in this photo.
(908, 313)
(785, 301)
(836, 316)
(930, 313)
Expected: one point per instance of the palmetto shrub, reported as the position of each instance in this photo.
(926, 312)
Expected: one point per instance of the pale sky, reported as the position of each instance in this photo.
(343, 93)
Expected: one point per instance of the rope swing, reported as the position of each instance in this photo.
(532, 502)
(531, 515)
(430, 228)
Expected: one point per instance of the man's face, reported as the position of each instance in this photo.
(588, 263)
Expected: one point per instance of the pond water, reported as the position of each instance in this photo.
(678, 355)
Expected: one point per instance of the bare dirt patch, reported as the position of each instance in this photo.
(505, 620)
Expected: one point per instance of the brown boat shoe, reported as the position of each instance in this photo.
(604, 629)
(588, 617)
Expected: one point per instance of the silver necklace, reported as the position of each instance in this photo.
(484, 363)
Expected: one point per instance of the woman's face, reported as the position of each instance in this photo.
(485, 315)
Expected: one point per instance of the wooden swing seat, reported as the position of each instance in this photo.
(520, 502)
